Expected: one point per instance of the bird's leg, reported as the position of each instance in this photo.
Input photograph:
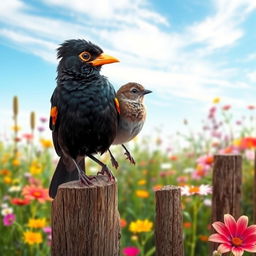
(127, 153)
(113, 160)
(104, 168)
(86, 180)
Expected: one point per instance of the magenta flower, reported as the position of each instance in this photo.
(9, 219)
(234, 236)
(131, 251)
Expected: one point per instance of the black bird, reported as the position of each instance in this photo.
(84, 111)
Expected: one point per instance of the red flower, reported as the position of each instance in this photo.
(226, 107)
(248, 142)
(234, 236)
(251, 107)
(20, 201)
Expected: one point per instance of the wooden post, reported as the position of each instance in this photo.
(168, 224)
(85, 220)
(227, 179)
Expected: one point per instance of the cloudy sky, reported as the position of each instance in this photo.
(187, 52)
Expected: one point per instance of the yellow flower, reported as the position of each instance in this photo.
(140, 226)
(35, 168)
(7, 180)
(216, 100)
(237, 142)
(5, 158)
(37, 223)
(16, 128)
(142, 193)
(134, 238)
(142, 182)
(32, 237)
(16, 162)
(46, 143)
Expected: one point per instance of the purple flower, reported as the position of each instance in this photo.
(43, 119)
(9, 219)
(131, 251)
(40, 129)
(47, 230)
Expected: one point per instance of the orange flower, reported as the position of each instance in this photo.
(33, 192)
(173, 158)
(142, 193)
(203, 238)
(123, 223)
(5, 172)
(187, 224)
(157, 187)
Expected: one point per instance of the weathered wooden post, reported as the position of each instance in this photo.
(227, 179)
(168, 223)
(85, 220)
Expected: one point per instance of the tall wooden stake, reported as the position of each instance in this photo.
(85, 220)
(227, 179)
(168, 224)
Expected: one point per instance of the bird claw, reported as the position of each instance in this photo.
(129, 157)
(86, 180)
(114, 163)
(104, 171)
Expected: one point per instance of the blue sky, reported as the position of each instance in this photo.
(187, 52)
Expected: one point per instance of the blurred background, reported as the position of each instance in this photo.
(198, 58)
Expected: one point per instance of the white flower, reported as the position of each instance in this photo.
(185, 190)
(207, 202)
(5, 205)
(166, 166)
(6, 211)
(15, 189)
(205, 190)
(189, 170)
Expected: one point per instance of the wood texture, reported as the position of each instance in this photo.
(85, 220)
(227, 179)
(168, 224)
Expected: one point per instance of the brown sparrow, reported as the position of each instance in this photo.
(132, 116)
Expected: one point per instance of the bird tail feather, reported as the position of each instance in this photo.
(65, 171)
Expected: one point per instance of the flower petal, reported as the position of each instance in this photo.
(249, 248)
(218, 238)
(251, 239)
(224, 248)
(221, 229)
(249, 231)
(237, 251)
(230, 223)
(241, 225)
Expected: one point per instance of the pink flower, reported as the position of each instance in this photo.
(131, 251)
(234, 236)
(9, 219)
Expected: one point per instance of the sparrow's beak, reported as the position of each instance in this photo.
(146, 92)
(103, 59)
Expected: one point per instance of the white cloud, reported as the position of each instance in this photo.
(167, 62)
(252, 76)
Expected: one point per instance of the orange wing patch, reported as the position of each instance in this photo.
(54, 114)
(117, 105)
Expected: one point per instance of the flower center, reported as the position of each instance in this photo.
(236, 241)
(194, 189)
(36, 193)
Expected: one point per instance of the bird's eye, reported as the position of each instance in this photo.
(84, 56)
(134, 90)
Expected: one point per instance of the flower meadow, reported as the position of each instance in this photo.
(28, 159)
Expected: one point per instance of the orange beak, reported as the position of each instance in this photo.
(103, 59)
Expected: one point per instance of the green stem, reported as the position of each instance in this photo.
(194, 229)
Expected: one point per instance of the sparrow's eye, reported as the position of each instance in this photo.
(85, 56)
(134, 90)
